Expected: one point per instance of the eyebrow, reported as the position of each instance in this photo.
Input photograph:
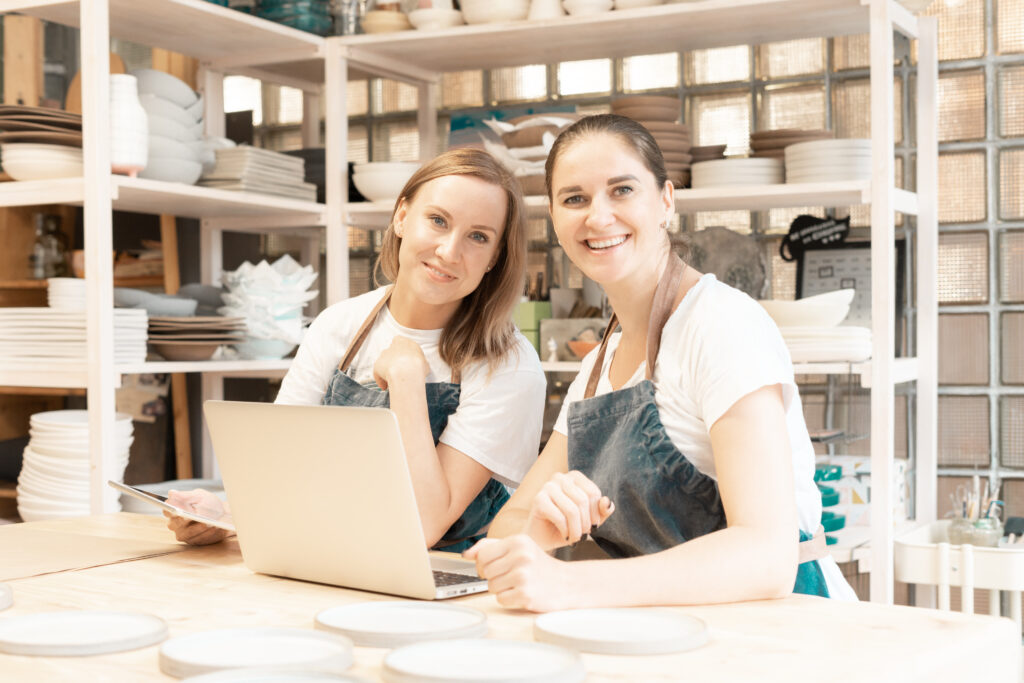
(438, 209)
(611, 181)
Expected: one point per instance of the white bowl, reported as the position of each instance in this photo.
(195, 110)
(264, 349)
(382, 181)
(154, 104)
(493, 11)
(435, 18)
(822, 310)
(153, 82)
(169, 148)
(42, 169)
(172, 171)
(169, 128)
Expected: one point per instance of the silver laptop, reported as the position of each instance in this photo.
(323, 493)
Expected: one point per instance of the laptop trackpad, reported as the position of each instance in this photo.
(453, 563)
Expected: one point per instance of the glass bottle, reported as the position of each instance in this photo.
(49, 253)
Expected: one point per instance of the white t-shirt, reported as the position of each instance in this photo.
(499, 418)
(718, 346)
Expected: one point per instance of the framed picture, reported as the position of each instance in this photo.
(848, 266)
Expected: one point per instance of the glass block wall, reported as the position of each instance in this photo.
(730, 92)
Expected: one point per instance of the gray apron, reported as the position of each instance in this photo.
(661, 498)
(442, 401)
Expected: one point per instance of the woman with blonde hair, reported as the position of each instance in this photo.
(438, 346)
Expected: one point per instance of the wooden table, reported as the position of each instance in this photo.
(195, 589)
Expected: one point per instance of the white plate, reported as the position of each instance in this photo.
(210, 651)
(494, 661)
(830, 146)
(6, 598)
(392, 624)
(625, 631)
(72, 418)
(743, 163)
(76, 633)
(270, 676)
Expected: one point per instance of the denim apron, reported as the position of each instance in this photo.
(661, 498)
(442, 401)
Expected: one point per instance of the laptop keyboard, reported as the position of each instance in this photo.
(442, 579)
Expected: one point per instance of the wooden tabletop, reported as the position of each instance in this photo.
(196, 589)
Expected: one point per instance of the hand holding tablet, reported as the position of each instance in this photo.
(202, 517)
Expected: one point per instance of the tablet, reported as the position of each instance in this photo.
(161, 502)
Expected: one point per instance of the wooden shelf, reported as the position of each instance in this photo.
(157, 197)
(622, 33)
(223, 38)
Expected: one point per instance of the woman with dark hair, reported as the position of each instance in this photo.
(681, 447)
(438, 347)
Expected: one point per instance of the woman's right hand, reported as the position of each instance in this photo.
(202, 503)
(566, 508)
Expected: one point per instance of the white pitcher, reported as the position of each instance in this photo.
(129, 127)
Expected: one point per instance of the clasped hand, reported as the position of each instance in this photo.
(401, 359)
(518, 570)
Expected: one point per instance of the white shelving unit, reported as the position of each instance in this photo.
(225, 41)
(420, 57)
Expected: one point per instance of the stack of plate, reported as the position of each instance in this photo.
(38, 161)
(19, 123)
(194, 338)
(772, 143)
(659, 115)
(54, 479)
(825, 344)
(58, 336)
(738, 171)
(250, 169)
(707, 153)
(66, 293)
(823, 161)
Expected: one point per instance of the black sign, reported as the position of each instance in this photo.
(814, 233)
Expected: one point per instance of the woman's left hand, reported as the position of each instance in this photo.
(521, 575)
(402, 359)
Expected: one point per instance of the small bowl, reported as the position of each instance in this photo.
(263, 349)
(154, 104)
(185, 351)
(581, 348)
(163, 84)
(822, 310)
(435, 18)
(385, 21)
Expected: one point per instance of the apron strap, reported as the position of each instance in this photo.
(364, 331)
(814, 549)
(661, 310)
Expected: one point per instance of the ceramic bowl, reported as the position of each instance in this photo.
(153, 82)
(435, 18)
(169, 148)
(493, 11)
(154, 104)
(582, 8)
(169, 128)
(385, 21)
(822, 310)
(185, 351)
(42, 169)
(172, 170)
(264, 349)
(380, 181)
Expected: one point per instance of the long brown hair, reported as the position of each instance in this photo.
(482, 327)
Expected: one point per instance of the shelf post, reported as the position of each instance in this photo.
(426, 117)
(925, 506)
(99, 266)
(883, 305)
(336, 164)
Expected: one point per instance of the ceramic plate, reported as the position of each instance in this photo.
(270, 676)
(210, 651)
(70, 139)
(76, 633)
(628, 631)
(23, 110)
(392, 624)
(494, 661)
(6, 598)
(71, 418)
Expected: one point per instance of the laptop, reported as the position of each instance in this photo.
(323, 493)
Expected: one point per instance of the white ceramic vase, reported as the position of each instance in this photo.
(129, 127)
(545, 9)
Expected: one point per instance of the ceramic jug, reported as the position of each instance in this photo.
(129, 127)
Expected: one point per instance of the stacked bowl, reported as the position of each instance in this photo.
(54, 479)
(270, 298)
(823, 161)
(382, 181)
(494, 11)
(737, 171)
(196, 338)
(659, 115)
(175, 115)
(772, 143)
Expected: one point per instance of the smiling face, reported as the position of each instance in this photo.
(607, 208)
(451, 233)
